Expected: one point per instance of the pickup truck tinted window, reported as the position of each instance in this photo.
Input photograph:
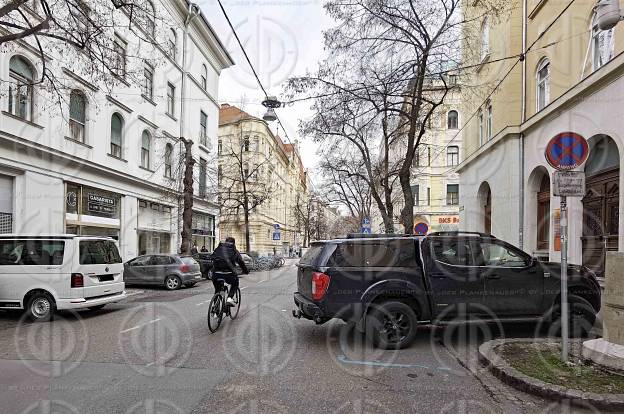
(311, 256)
(456, 252)
(498, 255)
(395, 253)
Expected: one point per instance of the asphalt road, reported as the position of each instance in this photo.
(155, 354)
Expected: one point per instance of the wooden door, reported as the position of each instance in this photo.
(601, 218)
(488, 213)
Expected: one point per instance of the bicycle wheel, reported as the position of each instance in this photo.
(234, 309)
(215, 313)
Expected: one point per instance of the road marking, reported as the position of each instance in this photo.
(139, 326)
(346, 360)
(201, 303)
(260, 281)
(243, 288)
(135, 293)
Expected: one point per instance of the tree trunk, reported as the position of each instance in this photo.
(246, 214)
(187, 209)
(407, 212)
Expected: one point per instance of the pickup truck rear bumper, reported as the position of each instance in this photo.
(308, 309)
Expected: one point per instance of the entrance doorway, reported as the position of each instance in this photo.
(485, 198)
(601, 208)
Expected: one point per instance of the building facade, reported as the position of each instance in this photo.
(252, 157)
(569, 80)
(105, 159)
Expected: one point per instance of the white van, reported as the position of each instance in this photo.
(45, 273)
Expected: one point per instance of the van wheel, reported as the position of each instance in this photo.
(392, 325)
(40, 307)
(96, 308)
(581, 317)
(172, 282)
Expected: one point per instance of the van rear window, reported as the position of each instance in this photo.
(31, 252)
(98, 252)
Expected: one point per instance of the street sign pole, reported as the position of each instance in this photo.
(566, 152)
(564, 279)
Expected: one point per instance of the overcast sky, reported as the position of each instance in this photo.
(282, 38)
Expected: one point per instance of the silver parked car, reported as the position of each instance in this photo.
(168, 270)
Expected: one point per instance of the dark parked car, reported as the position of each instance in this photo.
(169, 270)
(205, 263)
(389, 285)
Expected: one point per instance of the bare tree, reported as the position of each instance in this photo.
(245, 182)
(386, 70)
(303, 216)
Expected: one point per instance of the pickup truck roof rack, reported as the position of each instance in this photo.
(458, 233)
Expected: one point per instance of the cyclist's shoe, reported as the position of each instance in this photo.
(230, 302)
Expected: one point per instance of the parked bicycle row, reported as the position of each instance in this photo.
(254, 264)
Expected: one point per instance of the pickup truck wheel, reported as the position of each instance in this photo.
(392, 325)
(582, 316)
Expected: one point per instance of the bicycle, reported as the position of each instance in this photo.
(218, 308)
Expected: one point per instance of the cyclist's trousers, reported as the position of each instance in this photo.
(230, 278)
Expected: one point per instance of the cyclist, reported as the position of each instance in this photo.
(225, 257)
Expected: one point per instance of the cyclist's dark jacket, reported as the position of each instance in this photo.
(225, 257)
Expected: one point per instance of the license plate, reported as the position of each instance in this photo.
(197, 277)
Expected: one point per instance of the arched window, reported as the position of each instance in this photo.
(485, 38)
(22, 76)
(172, 41)
(150, 16)
(543, 84)
(145, 149)
(77, 115)
(603, 42)
(204, 77)
(116, 135)
(453, 120)
(168, 160)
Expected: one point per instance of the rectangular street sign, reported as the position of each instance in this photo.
(277, 236)
(569, 183)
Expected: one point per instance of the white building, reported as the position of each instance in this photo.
(108, 163)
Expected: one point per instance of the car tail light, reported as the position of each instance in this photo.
(320, 283)
(184, 268)
(77, 280)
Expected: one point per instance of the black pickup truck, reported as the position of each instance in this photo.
(390, 285)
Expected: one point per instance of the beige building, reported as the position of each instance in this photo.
(256, 162)
(570, 80)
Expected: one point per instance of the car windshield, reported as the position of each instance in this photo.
(99, 252)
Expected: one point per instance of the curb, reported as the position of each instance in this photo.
(518, 380)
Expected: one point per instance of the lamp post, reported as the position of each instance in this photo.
(271, 103)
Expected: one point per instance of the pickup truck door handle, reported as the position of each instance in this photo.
(494, 276)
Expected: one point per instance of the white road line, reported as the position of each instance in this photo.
(243, 288)
(201, 303)
(260, 281)
(139, 326)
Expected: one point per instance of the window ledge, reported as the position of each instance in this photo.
(146, 169)
(171, 116)
(26, 121)
(116, 157)
(148, 99)
(75, 141)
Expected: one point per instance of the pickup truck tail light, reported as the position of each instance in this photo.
(184, 268)
(77, 280)
(320, 283)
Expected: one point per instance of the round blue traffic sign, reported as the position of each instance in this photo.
(421, 229)
(567, 151)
